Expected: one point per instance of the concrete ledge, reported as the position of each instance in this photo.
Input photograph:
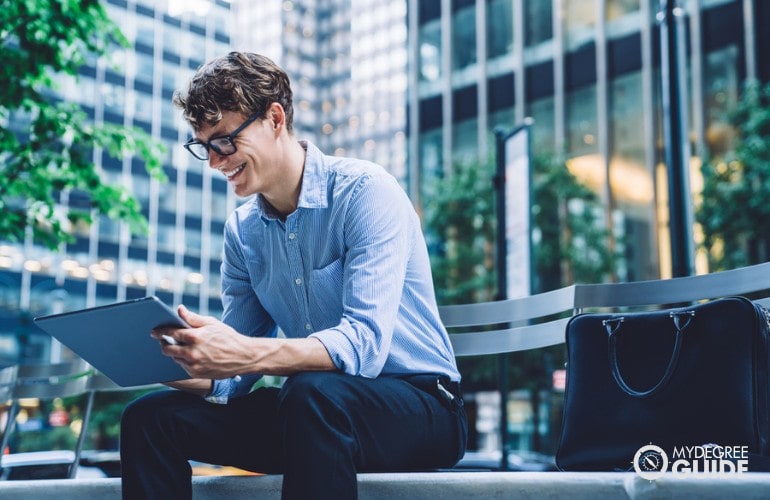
(433, 485)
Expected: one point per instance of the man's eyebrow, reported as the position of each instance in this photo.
(215, 133)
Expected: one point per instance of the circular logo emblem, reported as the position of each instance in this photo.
(650, 462)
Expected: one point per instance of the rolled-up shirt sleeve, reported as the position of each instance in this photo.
(378, 235)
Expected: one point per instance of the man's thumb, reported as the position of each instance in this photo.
(190, 317)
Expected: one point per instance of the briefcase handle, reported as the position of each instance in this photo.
(682, 320)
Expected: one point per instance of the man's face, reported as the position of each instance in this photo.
(253, 167)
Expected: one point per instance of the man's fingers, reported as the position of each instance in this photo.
(193, 319)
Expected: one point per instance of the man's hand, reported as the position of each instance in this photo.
(210, 349)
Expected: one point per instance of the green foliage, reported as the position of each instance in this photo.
(103, 431)
(104, 425)
(571, 244)
(46, 146)
(734, 212)
(571, 239)
(460, 217)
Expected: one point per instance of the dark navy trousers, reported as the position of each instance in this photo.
(318, 430)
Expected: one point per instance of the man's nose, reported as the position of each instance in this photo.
(215, 159)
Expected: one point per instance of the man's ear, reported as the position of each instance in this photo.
(276, 115)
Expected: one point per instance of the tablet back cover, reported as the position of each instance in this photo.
(115, 339)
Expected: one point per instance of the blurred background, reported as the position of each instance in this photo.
(420, 86)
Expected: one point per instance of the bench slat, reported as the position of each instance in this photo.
(670, 291)
(509, 339)
(509, 311)
(521, 315)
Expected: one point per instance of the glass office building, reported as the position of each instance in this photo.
(411, 84)
(179, 259)
(348, 65)
(588, 73)
(347, 61)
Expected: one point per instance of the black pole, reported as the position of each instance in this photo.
(676, 142)
(502, 287)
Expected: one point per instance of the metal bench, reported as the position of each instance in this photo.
(47, 382)
(539, 320)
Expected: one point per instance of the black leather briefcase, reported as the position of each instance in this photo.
(689, 376)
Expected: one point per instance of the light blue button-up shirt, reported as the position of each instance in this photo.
(349, 267)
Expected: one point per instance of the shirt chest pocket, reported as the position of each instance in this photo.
(325, 294)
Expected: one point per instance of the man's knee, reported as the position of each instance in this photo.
(311, 394)
(146, 409)
(303, 386)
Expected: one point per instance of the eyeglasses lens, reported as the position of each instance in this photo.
(199, 150)
(223, 146)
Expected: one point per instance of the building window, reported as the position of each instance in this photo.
(615, 9)
(464, 38)
(582, 121)
(499, 28)
(542, 112)
(579, 21)
(721, 86)
(632, 184)
(464, 141)
(431, 160)
(584, 160)
(430, 51)
(538, 27)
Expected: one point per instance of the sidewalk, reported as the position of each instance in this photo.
(436, 485)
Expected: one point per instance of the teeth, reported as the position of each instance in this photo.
(233, 172)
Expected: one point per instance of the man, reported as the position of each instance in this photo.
(330, 251)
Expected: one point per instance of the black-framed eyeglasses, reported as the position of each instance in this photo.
(223, 145)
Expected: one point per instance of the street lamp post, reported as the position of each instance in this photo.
(676, 143)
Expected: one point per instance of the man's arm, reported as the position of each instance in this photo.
(199, 386)
(212, 350)
(379, 234)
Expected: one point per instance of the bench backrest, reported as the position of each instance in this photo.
(539, 320)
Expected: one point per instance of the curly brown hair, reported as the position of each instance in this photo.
(242, 82)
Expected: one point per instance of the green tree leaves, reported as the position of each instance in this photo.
(734, 211)
(47, 146)
(571, 238)
(571, 245)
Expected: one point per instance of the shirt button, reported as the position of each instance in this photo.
(308, 327)
(298, 281)
(292, 236)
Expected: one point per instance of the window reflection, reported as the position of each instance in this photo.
(145, 30)
(430, 51)
(499, 28)
(579, 20)
(616, 9)
(464, 38)
(538, 27)
(720, 85)
(582, 122)
(431, 160)
(631, 183)
(464, 141)
(542, 112)
(144, 68)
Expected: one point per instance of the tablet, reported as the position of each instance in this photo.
(115, 339)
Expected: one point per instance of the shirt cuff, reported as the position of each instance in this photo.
(221, 390)
(227, 388)
(346, 356)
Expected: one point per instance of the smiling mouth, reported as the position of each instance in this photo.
(232, 173)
